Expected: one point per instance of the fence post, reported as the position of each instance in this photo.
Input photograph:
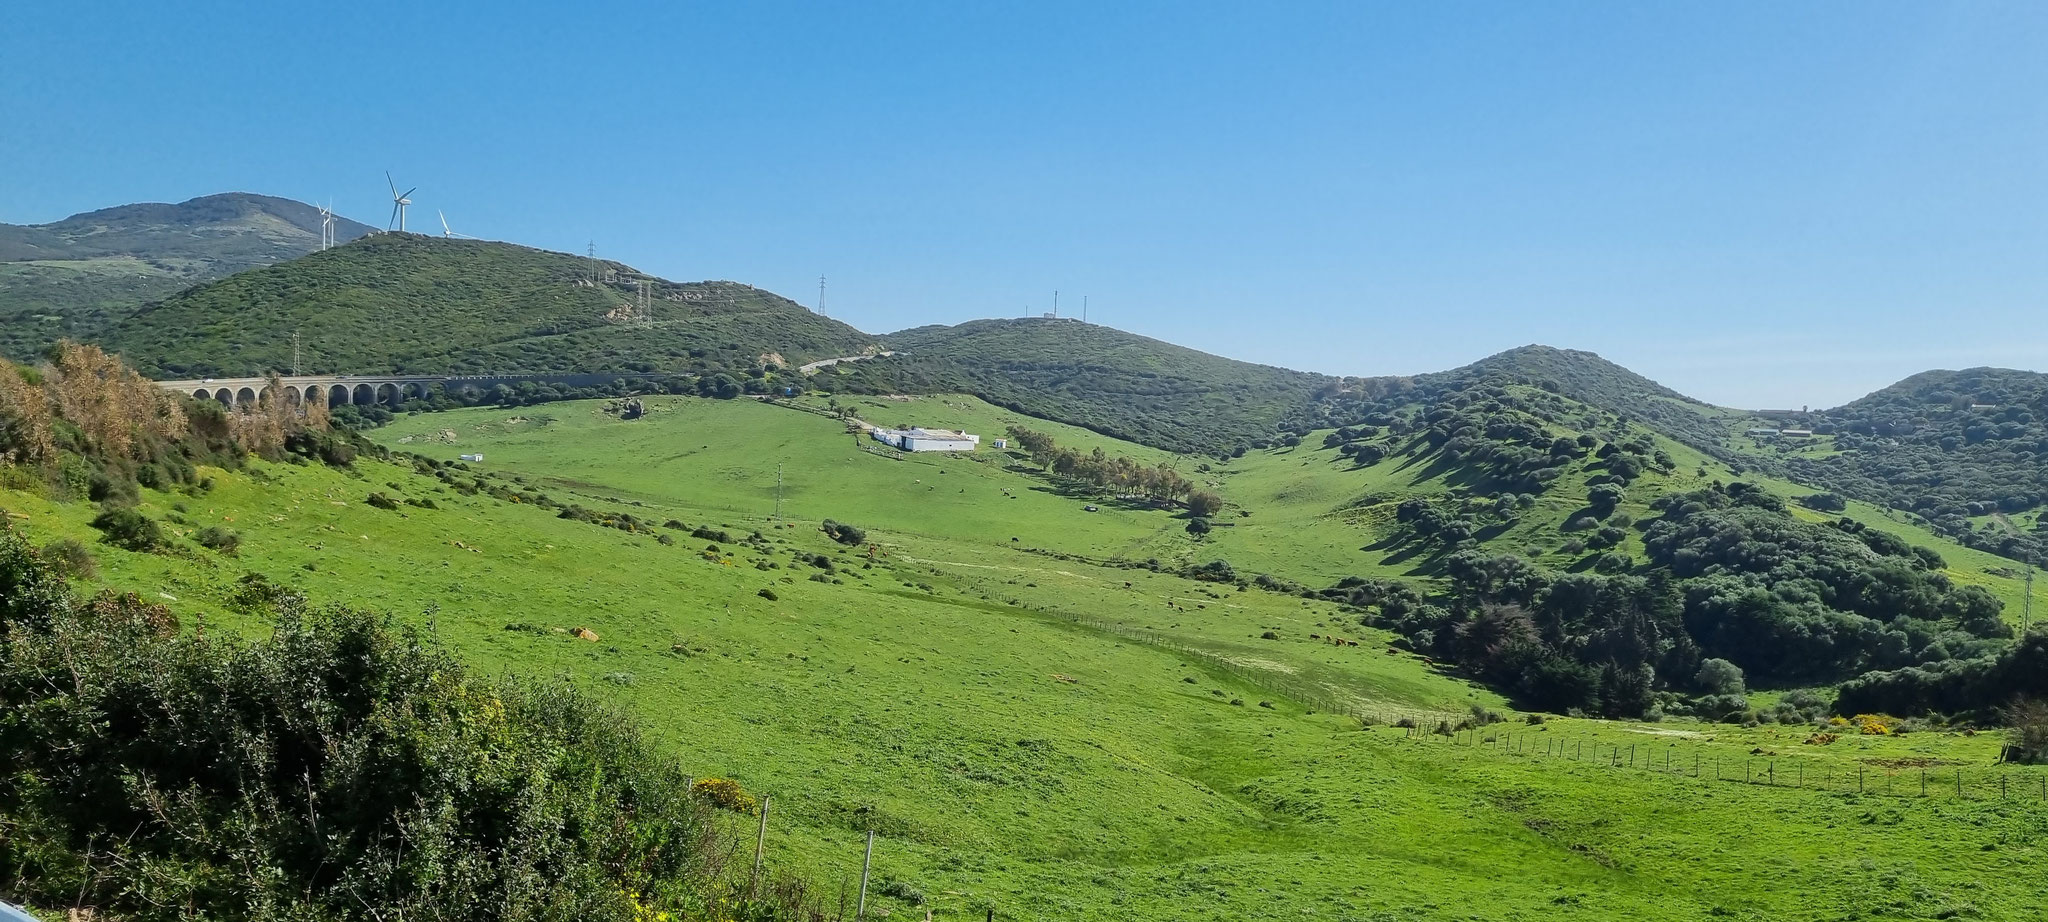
(1631, 755)
(1695, 763)
(1771, 773)
(1717, 767)
(2002, 779)
(860, 907)
(760, 839)
(1859, 779)
(1959, 783)
(1923, 782)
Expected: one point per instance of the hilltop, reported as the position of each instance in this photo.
(412, 303)
(1116, 383)
(74, 276)
(1962, 450)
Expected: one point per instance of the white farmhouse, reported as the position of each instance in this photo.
(921, 439)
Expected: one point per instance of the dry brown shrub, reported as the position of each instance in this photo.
(24, 420)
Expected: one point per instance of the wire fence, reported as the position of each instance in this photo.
(1905, 777)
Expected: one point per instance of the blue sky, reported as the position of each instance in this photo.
(1758, 204)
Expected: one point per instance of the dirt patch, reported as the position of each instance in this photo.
(1681, 734)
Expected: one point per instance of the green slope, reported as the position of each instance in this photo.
(74, 277)
(1018, 726)
(1107, 380)
(410, 303)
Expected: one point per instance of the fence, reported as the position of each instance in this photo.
(1901, 778)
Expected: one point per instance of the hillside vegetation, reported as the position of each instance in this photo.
(1096, 377)
(1043, 711)
(1966, 451)
(74, 277)
(410, 303)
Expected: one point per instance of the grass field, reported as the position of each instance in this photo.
(1035, 729)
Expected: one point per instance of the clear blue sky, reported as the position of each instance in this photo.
(1760, 204)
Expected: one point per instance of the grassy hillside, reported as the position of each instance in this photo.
(1116, 383)
(410, 303)
(1043, 735)
(71, 278)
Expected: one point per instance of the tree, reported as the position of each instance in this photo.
(1198, 527)
(1204, 503)
(1719, 677)
(2027, 740)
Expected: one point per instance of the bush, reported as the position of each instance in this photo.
(845, 534)
(339, 766)
(68, 558)
(769, 594)
(130, 530)
(219, 538)
(381, 501)
(1215, 571)
(725, 794)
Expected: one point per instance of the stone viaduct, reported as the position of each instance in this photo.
(363, 390)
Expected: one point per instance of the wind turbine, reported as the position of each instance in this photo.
(398, 203)
(327, 225)
(445, 232)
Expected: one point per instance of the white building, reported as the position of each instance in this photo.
(918, 438)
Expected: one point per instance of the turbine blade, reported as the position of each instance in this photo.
(388, 182)
(409, 192)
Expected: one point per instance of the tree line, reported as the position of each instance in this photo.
(1117, 474)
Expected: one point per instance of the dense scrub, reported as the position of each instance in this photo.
(338, 769)
(1951, 446)
(1731, 575)
(1583, 377)
(409, 303)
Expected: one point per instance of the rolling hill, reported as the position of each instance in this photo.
(412, 303)
(73, 277)
(1098, 377)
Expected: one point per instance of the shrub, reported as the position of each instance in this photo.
(381, 501)
(130, 530)
(339, 766)
(769, 594)
(711, 534)
(843, 533)
(725, 794)
(69, 559)
(219, 538)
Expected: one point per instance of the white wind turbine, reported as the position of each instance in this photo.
(398, 203)
(327, 225)
(445, 232)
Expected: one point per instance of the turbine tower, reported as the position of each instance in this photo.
(398, 203)
(327, 226)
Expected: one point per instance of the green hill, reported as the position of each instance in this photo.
(1961, 450)
(411, 303)
(73, 277)
(1104, 379)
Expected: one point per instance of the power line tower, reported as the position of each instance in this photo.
(821, 296)
(295, 353)
(778, 491)
(591, 252)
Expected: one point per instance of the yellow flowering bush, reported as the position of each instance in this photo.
(725, 794)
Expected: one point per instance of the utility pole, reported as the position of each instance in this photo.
(2027, 609)
(1084, 308)
(1055, 304)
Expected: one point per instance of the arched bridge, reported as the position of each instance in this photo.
(363, 390)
